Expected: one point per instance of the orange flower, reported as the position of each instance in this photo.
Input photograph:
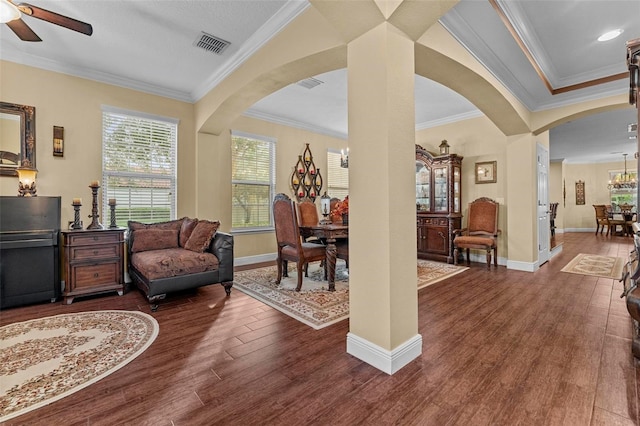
(342, 207)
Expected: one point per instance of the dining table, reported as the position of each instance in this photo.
(331, 233)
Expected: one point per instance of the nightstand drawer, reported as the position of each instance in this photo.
(95, 275)
(92, 238)
(95, 252)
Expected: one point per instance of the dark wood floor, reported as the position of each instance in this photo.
(499, 348)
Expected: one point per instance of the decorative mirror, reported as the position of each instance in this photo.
(17, 138)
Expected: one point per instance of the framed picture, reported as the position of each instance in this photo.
(580, 196)
(486, 172)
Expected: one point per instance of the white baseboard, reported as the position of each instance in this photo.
(382, 359)
(522, 266)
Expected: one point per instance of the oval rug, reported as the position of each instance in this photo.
(46, 359)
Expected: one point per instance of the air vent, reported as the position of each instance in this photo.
(310, 82)
(211, 43)
(633, 127)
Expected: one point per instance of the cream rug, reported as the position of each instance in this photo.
(315, 305)
(595, 265)
(46, 359)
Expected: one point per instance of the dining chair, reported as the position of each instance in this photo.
(290, 245)
(553, 212)
(308, 216)
(602, 218)
(481, 231)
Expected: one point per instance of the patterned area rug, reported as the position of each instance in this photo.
(46, 359)
(597, 266)
(314, 305)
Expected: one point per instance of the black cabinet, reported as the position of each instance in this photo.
(29, 250)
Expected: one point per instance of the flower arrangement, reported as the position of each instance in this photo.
(341, 207)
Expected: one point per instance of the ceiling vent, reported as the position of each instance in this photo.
(211, 43)
(310, 82)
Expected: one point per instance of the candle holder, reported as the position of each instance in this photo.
(112, 209)
(77, 224)
(94, 207)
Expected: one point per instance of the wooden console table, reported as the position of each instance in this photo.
(93, 262)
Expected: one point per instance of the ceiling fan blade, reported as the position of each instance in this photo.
(23, 31)
(56, 18)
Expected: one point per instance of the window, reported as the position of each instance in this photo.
(619, 196)
(253, 171)
(337, 177)
(138, 166)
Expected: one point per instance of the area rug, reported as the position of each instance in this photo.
(46, 359)
(315, 305)
(595, 265)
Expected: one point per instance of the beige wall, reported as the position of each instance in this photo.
(477, 140)
(290, 143)
(596, 177)
(75, 104)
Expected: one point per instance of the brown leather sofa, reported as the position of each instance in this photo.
(178, 255)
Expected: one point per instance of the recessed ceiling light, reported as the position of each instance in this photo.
(610, 35)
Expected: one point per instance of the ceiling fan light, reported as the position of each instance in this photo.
(8, 12)
(610, 35)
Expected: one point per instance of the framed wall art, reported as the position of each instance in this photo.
(580, 193)
(486, 172)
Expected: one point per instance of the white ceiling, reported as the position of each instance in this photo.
(148, 45)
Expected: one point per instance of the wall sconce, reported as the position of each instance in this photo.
(325, 207)
(344, 159)
(444, 147)
(26, 181)
(58, 141)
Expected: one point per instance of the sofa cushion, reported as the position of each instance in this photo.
(170, 224)
(154, 239)
(188, 225)
(156, 264)
(202, 235)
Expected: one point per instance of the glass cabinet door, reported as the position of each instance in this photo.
(456, 189)
(440, 194)
(423, 187)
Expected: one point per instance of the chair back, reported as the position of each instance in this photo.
(332, 205)
(483, 217)
(286, 223)
(308, 213)
(601, 211)
(554, 211)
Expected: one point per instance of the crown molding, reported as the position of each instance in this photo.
(94, 75)
(293, 123)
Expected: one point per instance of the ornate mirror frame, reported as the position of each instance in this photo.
(27, 155)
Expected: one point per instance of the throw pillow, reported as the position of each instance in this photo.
(188, 225)
(202, 235)
(154, 239)
(170, 224)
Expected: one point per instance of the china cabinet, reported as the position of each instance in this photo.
(438, 191)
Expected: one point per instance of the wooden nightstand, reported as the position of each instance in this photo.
(93, 262)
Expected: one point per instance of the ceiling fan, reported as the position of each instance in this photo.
(11, 14)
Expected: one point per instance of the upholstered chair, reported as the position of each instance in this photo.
(308, 216)
(290, 244)
(481, 232)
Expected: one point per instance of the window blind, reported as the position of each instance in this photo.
(337, 177)
(139, 166)
(253, 181)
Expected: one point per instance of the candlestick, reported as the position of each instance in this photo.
(77, 202)
(112, 208)
(94, 207)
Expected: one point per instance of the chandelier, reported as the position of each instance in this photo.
(624, 180)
